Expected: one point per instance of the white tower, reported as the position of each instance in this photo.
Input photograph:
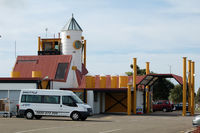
(71, 42)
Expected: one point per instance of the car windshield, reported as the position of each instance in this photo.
(76, 99)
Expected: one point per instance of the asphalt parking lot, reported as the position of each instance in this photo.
(170, 122)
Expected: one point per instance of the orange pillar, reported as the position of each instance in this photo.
(39, 43)
(84, 53)
(147, 93)
(193, 87)
(129, 99)
(134, 84)
(189, 85)
(184, 86)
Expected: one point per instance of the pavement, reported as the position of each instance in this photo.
(159, 122)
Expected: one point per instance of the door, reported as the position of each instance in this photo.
(68, 105)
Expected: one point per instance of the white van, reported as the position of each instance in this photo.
(37, 103)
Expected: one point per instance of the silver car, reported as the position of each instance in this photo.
(196, 121)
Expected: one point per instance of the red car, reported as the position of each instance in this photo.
(163, 105)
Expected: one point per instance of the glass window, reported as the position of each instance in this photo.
(76, 99)
(47, 46)
(23, 98)
(31, 98)
(51, 99)
(68, 100)
(61, 70)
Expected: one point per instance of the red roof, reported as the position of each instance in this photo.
(47, 64)
(151, 78)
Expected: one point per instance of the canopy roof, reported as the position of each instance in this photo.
(150, 79)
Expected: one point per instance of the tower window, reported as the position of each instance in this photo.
(61, 70)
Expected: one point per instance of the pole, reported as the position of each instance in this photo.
(129, 99)
(39, 43)
(184, 86)
(15, 49)
(85, 53)
(193, 87)
(8, 103)
(134, 84)
(147, 88)
(189, 85)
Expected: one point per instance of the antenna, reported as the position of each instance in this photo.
(72, 15)
(46, 29)
(15, 48)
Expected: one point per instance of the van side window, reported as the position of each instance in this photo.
(67, 100)
(23, 98)
(51, 99)
(31, 99)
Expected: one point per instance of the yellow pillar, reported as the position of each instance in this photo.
(85, 53)
(103, 82)
(114, 82)
(192, 86)
(189, 85)
(15, 74)
(184, 86)
(134, 84)
(93, 81)
(129, 99)
(147, 93)
(88, 81)
(39, 43)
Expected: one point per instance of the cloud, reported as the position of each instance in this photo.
(157, 31)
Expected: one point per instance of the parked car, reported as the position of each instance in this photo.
(163, 105)
(179, 106)
(196, 121)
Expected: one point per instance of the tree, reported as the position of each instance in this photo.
(197, 98)
(139, 71)
(161, 89)
(176, 94)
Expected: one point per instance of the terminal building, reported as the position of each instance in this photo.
(61, 64)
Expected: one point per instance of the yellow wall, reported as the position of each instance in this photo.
(123, 81)
(15, 74)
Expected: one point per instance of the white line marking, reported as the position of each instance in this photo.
(109, 131)
(33, 130)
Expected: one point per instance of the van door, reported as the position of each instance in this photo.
(50, 106)
(68, 105)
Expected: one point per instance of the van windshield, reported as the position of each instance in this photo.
(77, 99)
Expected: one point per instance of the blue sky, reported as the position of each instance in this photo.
(159, 31)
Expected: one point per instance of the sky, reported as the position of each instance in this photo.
(157, 31)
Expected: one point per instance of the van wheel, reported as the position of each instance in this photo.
(38, 117)
(164, 110)
(75, 116)
(29, 114)
(83, 118)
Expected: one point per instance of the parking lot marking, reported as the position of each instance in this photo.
(33, 130)
(109, 131)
